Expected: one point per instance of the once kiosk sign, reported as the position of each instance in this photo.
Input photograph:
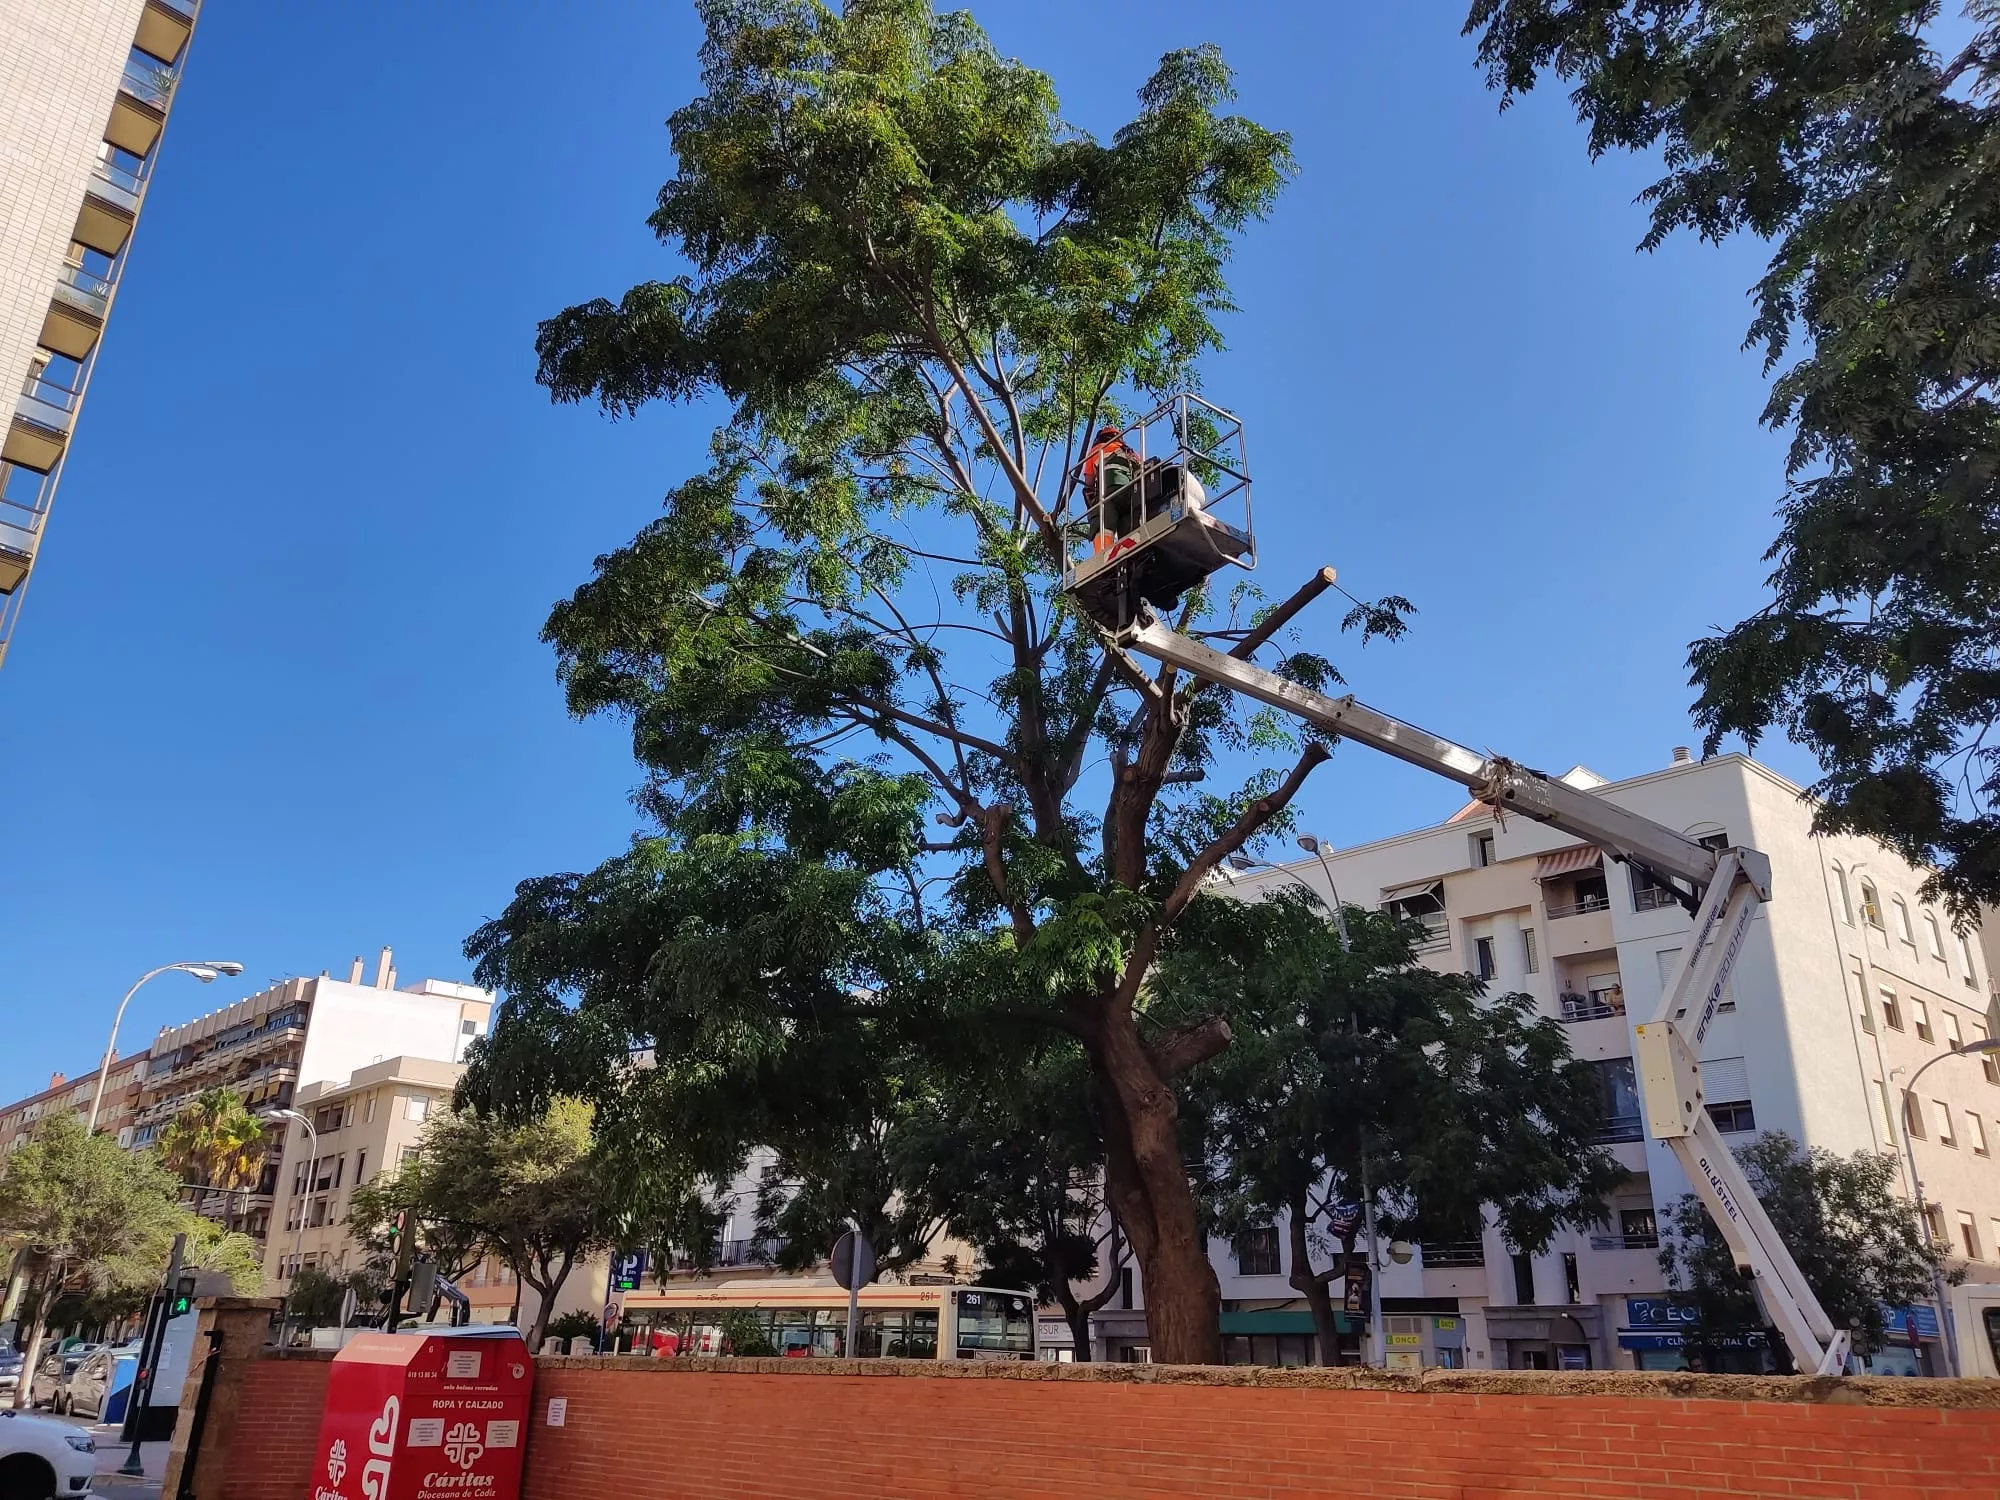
(425, 1416)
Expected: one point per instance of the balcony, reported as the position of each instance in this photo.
(85, 291)
(110, 204)
(1618, 1128)
(1653, 898)
(164, 28)
(40, 429)
(1453, 1253)
(1595, 1006)
(139, 112)
(1625, 1241)
(733, 1253)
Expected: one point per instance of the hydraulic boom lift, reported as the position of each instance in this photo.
(1723, 889)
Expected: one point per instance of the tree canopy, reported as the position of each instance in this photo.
(1835, 130)
(1857, 1242)
(1350, 1053)
(906, 804)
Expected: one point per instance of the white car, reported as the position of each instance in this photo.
(43, 1459)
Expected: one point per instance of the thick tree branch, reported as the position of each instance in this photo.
(1183, 1047)
(1254, 817)
(991, 820)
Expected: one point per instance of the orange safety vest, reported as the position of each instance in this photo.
(1094, 459)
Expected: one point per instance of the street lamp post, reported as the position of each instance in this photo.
(205, 972)
(299, 1238)
(1985, 1044)
(1316, 846)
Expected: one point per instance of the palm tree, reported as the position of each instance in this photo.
(214, 1142)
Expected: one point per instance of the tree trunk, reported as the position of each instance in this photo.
(1311, 1283)
(24, 1392)
(1074, 1313)
(1148, 1188)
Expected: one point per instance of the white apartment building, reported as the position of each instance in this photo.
(85, 88)
(1849, 985)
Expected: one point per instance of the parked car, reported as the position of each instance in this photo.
(41, 1457)
(52, 1374)
(10, 1374)
(89, 1384)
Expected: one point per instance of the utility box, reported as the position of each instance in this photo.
(425, 1416)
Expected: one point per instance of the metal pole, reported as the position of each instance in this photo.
(111, 1047)
(1376, 1335)
(149, 1356)
(853, 1289)
(299, 1238)
(1339, 913)
(1917, 1195)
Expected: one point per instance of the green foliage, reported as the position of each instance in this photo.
(214, 1141)
(743, 1335)
(918, 292)
(217, 1251)
(1857, 1242)
(96, 1214)
(573, 1325)
(1834, 130)
(316, 1297)
(1464, 1104)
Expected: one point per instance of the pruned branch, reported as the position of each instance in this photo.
(1183, 1047)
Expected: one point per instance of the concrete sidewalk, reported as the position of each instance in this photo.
(111, 1457)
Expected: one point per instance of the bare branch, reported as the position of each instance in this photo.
(1185, 1046)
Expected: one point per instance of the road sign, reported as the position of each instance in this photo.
(850, 1270)
(628, 1270)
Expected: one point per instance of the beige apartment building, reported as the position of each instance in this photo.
(1850, 984)
(85, 90)
(114, 1116)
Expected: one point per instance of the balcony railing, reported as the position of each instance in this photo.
(1592, 1007)
(1579, 908)
(1625, 1241)
(1620, 1128)
(1653, 898)
(1454, 1253)
(123, 187)
(181, 7)
(150, 85)
(751, 1252)
(47, 391)
(84, 289)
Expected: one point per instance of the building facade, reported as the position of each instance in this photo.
(85, 90)
(114, 1115)
(1850, 983)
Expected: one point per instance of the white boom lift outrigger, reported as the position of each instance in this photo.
(1723, 888)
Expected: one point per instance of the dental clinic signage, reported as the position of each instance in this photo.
(1660, 1312)
(425, 1416)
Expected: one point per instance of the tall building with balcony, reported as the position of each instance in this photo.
(19, 1120)
(1849, 984)
(85, 90)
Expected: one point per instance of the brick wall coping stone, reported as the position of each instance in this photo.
(1852, 1390)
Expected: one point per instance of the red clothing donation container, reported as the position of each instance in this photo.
(425, 1416)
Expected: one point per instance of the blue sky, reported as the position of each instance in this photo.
(278, 694)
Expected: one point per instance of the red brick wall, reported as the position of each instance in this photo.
(271, 1452)
(644, 1431)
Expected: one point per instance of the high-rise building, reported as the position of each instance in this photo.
(85, 89)
(19, 1120)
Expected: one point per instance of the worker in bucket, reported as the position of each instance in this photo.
(1109, 471)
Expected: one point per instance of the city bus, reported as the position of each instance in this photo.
(797, 1318)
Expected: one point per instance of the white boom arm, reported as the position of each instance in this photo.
(1725, 889)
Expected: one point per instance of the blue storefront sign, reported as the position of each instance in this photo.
(1663, 1323)
(1920, 1321)
(1659, 1312)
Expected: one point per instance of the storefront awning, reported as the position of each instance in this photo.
(1432, 888)
(1568, 861)
(1281, 1320)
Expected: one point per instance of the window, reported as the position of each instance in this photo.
(1861, 992)
(1967, 1235)
(1524, 1279)
(1988, 1063)
(1975, 1131)
(1667, 958)
(1640, 1228)
(1620, 1092)
(1913, 1116)
(410, 1154)
(1934, 936)
(1965, 959)
(1920, 1013)
(1482, 957)
(371, 1109)
(1648, 894)
(1892, 1014)
(1945, 1134)
(1572, 1287)
(1903, 929)
(1733, 1115)
(1871, 905)
(418, 1107)
(327, 1120)
(1125, 1288)
(1888, 1114)
(1840, 890)
(360, 1167)
(1257, 1251)
(1953, 1037)
(1482, 850)
(1530, 962)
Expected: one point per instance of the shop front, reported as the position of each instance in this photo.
(1910, 1344)
(1546, 1338)
(1662, 1333)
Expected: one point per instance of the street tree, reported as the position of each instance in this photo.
(1839, 134)
(534, 1190)
(1456, 1104)
(1857, 1241)
(214, 1141)
(94, 1218)
(903, 795)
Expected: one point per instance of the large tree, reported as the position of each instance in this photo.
(214, 1142)
(1835, 130)
(905, 795)
(1859, 1245)
(1354, 1062)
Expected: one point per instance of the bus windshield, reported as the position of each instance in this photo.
(994, 1325)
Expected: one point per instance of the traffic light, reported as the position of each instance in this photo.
(182, 1299)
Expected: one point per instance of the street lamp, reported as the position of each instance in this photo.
(205, 972)
(1316, 846)
(1969, 1049)
(298, 1239)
